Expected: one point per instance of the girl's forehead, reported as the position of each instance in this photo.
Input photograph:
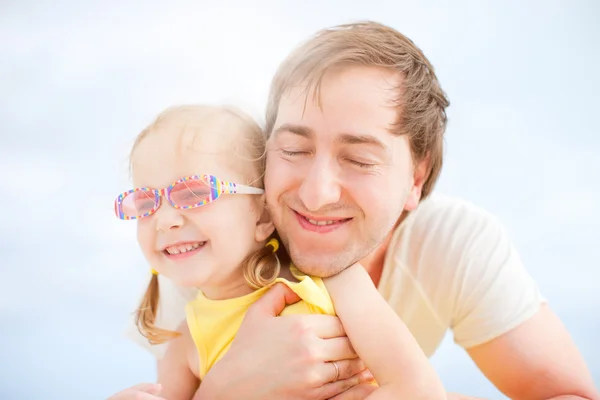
(163, 157)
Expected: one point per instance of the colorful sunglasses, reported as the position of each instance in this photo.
(189, 192)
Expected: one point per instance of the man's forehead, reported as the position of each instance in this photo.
(343, 127)
(357, 98)
(351, 77)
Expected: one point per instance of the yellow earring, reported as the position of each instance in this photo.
(274, 243)
(154, 272)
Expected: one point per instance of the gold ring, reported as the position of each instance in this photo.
(337, 371)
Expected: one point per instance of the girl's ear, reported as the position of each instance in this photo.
(264, 223)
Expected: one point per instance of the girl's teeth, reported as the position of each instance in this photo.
(183, 248)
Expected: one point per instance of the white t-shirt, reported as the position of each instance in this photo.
(449, 265)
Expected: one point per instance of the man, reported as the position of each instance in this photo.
(356, 118)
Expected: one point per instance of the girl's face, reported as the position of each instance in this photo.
(201, 247)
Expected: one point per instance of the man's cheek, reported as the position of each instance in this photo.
(275, 185)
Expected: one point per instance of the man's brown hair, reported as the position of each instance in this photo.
(421, 103)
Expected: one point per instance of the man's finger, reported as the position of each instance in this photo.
(142, 391)
(328, 327)
(338, 348)
(365, 376)
(323, 326)
(147, 396)
(347, 369)
(274, 301)
(150, 388)
(358, 392)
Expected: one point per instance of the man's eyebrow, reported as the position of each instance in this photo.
(300, 130)
(350, 138)
(344, 138)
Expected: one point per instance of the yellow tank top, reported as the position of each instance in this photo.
(214, 323)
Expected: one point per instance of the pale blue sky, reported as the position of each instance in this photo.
(80, 80)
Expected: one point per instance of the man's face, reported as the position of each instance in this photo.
(337, 180)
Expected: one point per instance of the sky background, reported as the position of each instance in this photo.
(79, 80)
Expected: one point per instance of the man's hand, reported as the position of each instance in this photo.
(143, 391)
(358, 392)
(287, 357)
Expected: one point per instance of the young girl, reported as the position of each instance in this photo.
(202, 223)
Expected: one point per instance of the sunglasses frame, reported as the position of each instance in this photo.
(217, 188)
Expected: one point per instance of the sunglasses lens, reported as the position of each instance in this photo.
(139, 203)
(191, 193)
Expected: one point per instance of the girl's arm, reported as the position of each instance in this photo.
(381, 339)
(174, 369)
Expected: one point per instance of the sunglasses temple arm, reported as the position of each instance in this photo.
(243, 189)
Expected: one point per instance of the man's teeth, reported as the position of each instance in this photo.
(183, 248)
(320, 223)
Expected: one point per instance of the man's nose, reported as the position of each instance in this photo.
(320, 187)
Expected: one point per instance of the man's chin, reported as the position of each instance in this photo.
(322, 267)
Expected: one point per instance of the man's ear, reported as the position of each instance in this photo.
(419, 178)
(264, 223)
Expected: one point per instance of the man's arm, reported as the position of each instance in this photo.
(536, 360)
(471, 274)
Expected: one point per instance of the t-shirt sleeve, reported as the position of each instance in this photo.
(171, 311)
(472, 273)
(497, 294)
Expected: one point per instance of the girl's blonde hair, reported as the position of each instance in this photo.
(259, 268)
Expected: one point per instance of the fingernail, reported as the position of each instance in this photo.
(367, 376)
